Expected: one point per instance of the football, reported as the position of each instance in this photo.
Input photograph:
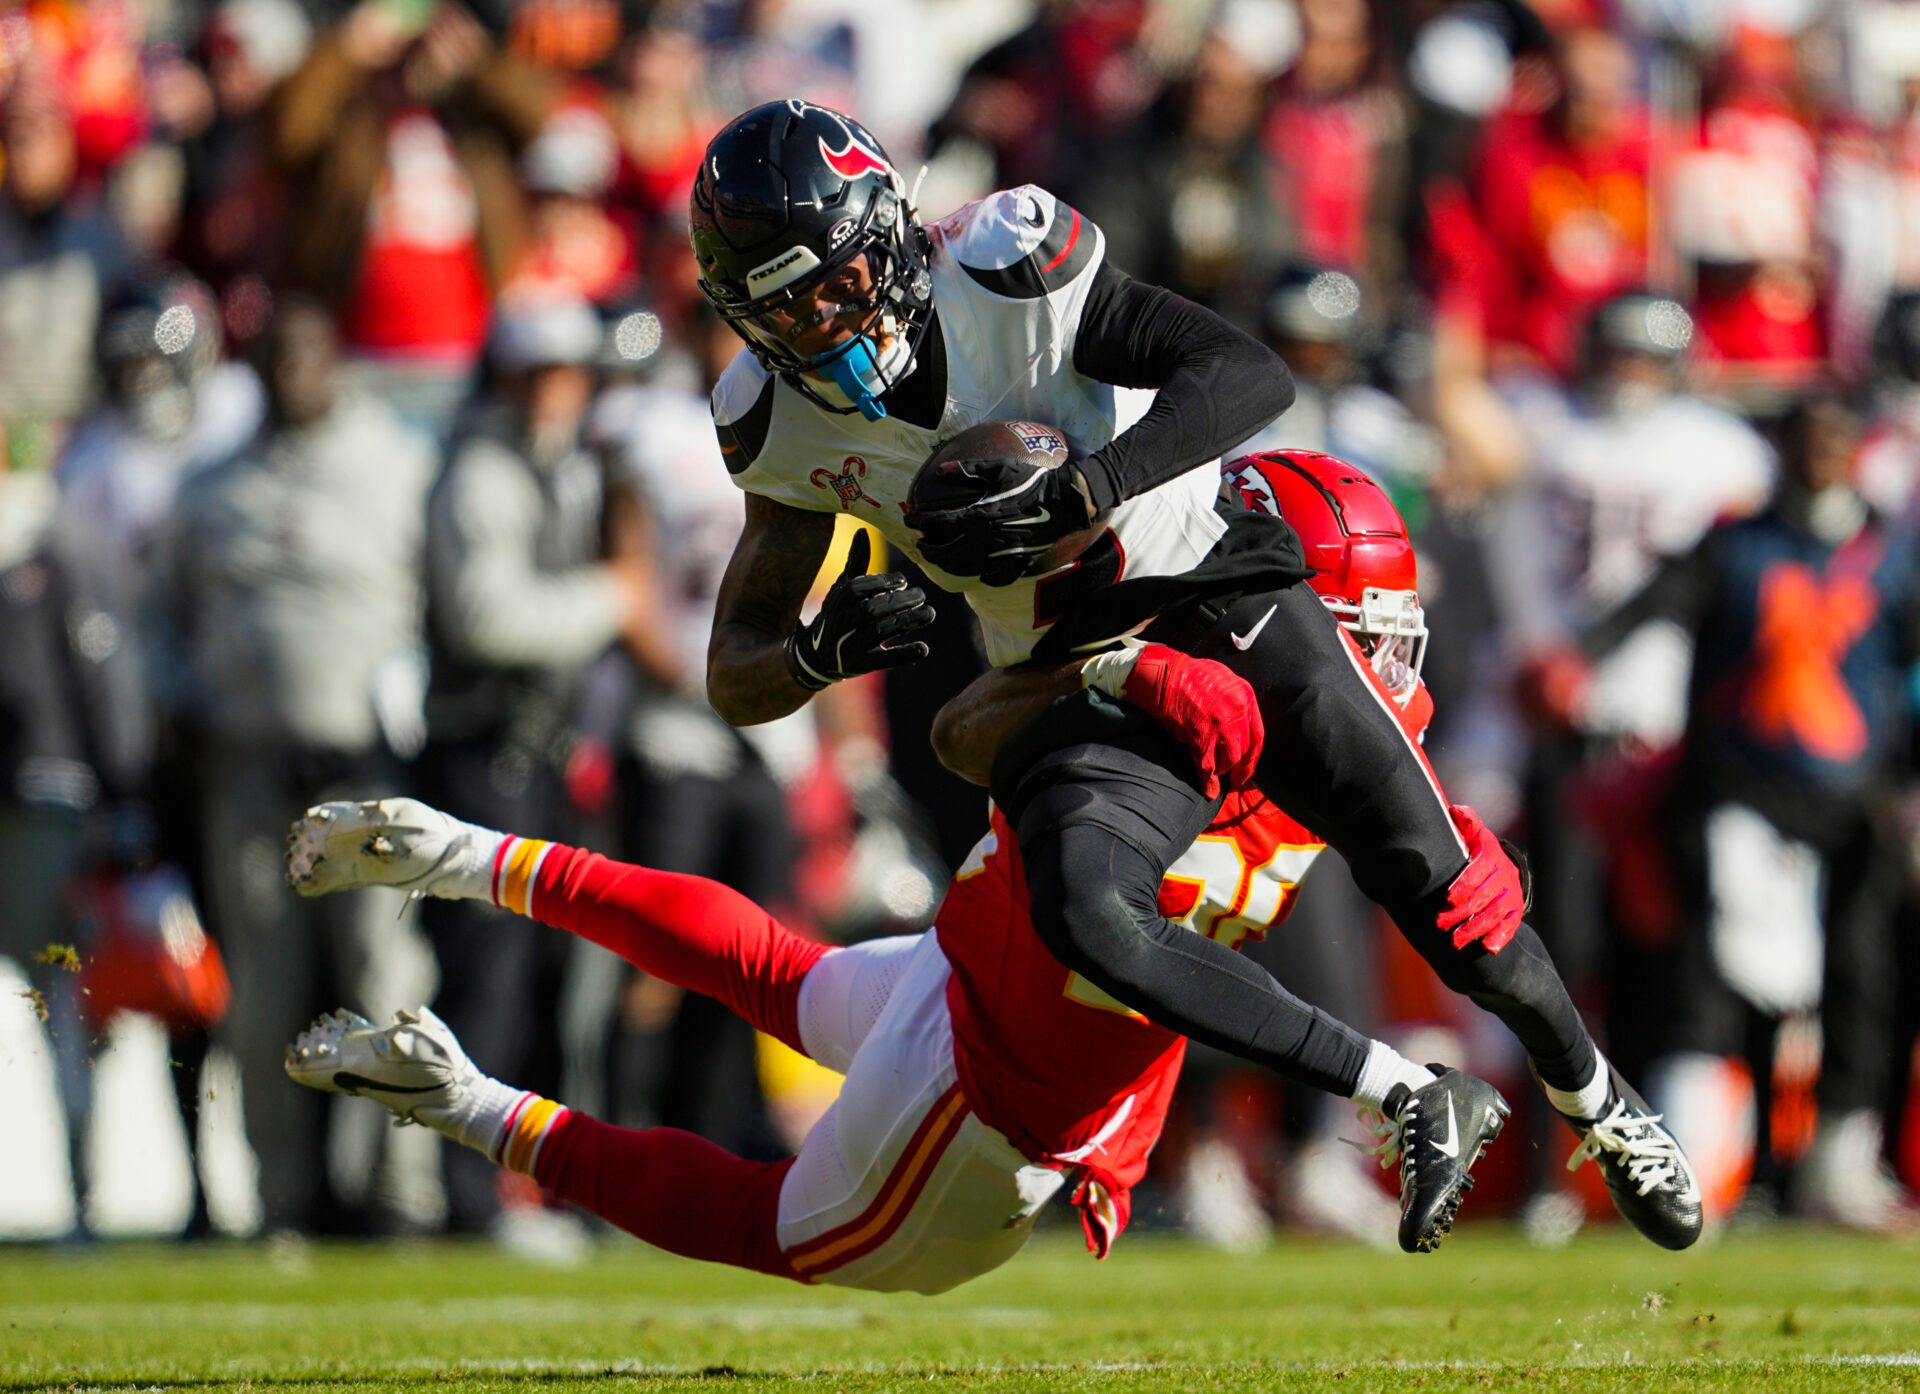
(935, 489)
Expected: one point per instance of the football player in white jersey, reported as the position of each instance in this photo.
(873, 339)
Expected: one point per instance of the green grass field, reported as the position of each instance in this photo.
(1785, 1310)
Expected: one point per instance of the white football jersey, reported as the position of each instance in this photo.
(1011, 276)
(1610, 496)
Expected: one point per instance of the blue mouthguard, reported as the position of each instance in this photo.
(856, 374)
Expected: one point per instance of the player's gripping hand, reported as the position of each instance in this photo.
(1487, 899)
(1013, 512)
(1207, 705)
(863, 626)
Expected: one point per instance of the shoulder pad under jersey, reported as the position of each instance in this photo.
(1022, 243)
(743, 411)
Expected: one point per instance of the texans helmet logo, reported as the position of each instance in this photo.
(855, 160)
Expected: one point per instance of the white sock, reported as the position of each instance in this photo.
(479, 1118)
(1590, 1099)
(1385, 1068)
(472, 855)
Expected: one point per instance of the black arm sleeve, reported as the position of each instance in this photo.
(1679, 591)
(1217, 385)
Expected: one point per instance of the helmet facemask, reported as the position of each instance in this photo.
(879, 289)
(1391, 628)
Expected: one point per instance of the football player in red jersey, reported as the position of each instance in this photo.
(983, 1077)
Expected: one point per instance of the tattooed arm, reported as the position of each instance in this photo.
(773, 566)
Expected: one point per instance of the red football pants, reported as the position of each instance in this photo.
(670, 1188)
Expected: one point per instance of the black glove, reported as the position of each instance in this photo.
(1016, 513)
(860, 625)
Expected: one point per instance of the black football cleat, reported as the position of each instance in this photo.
(1649, 1177)
(1436, 1133)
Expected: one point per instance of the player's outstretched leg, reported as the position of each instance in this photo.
(1098, 826)
(414, 1068)
(1338, 759)
(1436, 1134)
(1651, 1182)
(401, 843)
(669, 1188)
(690, 931)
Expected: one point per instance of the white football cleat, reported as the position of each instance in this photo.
(414, 1068)
(401, 843)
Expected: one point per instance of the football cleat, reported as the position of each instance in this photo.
(1436, 1133)
(388, 842)
(414, 1068)
(1649, 1177)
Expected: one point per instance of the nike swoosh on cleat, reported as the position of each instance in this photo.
(1451, 1147)
(1243, 642)
(347, 1080)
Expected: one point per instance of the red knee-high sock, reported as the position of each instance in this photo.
(689, 930)
(674, 1190)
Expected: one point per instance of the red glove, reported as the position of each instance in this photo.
(1551, 687)
(1207, 705)
(1488, 898)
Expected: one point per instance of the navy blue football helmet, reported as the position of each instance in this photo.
(808, 248)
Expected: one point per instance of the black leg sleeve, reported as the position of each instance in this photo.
(1521, 986)
(1096, 837)
(1859, 1000)
(1337, 759)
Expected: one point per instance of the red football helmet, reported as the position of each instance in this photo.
(1355, 541)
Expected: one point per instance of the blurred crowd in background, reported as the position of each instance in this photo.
(353, 415)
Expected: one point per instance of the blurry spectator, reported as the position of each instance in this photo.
(520, 604)
(1743, 214)
(1318, 320)
(573, 35)
(170, 407)
(766, 50)
(1890, 458)
(1625, 470)
(71, 747)
(234, 225)
(663, 119)
(90, 53)
(1805, 621)
(573, 246)
(1338, 139)
(398, 136)
(1554, 217)
(1464, 61)
(60, 261)
(692, 793)
(1189, 195)
(292, 585)
(1044, 106)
